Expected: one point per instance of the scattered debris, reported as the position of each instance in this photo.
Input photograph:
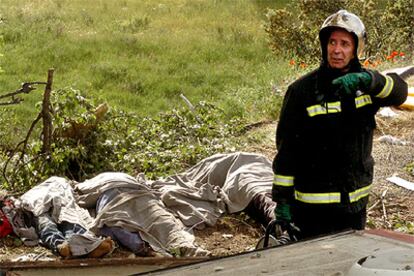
(381, 200)
(388, 139)
(384, 209)
(33, 257)
(401, 182)
(387, 112)
(218, 268)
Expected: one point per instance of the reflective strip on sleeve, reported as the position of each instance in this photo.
(362, 101)
(389, 84)
(318, 198)
(333, 107)
(283, 180)
(360, 193)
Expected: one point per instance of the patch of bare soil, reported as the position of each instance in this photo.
(11, 249)
(232, 234)
(391, 206)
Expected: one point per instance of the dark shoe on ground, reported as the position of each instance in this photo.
(152, 253)
(147, 251)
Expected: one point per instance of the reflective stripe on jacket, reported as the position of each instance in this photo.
(324, 140)
(319, 198)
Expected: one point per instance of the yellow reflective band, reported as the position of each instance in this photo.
(360, 193)
(362, 101)
(318, 198)
(389, 84)
(283, 180)
(318, 109)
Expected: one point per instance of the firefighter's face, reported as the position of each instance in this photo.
(341, 49)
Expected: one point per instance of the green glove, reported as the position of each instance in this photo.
(283, 219)
(352, 82)
(283, 212)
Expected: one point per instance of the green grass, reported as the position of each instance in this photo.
(141, 55)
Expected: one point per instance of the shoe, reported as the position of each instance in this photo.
(64, 250)
(154, 254)
(106, 247)
(147, 251)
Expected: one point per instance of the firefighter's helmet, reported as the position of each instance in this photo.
(348, 21)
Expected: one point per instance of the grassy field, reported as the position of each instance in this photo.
(140, 55)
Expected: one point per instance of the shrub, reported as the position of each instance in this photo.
(294, 30)
(86, 143)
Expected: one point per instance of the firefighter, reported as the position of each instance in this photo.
(323, 169)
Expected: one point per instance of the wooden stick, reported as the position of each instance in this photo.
(47, 118)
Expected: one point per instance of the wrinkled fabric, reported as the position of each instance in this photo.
(83, 244)
(5, 226)
(52, 234)
(163, 212)
(137, 210)
(55, 196)
(22, 223)
(222, 183)
(90, 190)
(130, 240)
(53, 204)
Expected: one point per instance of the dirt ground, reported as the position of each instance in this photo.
(391, 206)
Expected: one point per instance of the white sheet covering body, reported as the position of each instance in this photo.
(139, 209)
(55, 196)
(160, 210)
(222, 183)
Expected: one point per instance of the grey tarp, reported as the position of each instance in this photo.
(222, 183)
(139, 209)
(162, 210)
(55, 196)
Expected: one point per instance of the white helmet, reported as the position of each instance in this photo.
(347, 21)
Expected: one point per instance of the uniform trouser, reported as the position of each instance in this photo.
(52, 234)
(261, 208)
(321, 221)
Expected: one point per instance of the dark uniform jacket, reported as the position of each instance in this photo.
(324, 140)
